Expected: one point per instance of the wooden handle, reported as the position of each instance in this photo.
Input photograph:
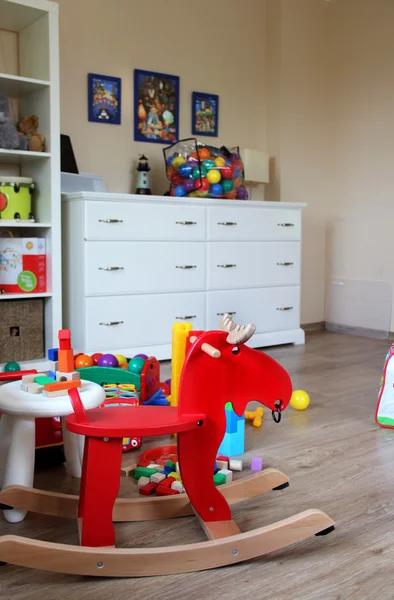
(208, 349)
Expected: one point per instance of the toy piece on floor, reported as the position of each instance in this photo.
(233, 442)
(236, 465)
(256, 464)
(384, 414)
(256, 416)
(123, 395)
(300, 400)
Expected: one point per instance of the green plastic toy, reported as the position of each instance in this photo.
(112, 375)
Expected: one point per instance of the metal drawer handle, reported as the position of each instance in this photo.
(187, 318)
(226, 266)
(111, 268)
(186, 222)
(227, 223)
(111, 323)
(285, 224)
(226, 313)
(286, 308)
(110, 220)
(285, 264)
(186, 267)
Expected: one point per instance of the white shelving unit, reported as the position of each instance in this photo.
(36, 88)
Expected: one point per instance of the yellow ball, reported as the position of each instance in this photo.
(122, 360)
(178, 161)
(219, 161)
(202, 193)
(300, 400)
(214, 176)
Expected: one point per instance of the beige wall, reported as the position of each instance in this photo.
(214, 47)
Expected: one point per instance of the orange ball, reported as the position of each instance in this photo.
(124, 366)
(204, 153)
(231, 195)
(83, 360)
(171, 171)
(193, 155)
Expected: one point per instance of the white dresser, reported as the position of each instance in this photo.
(132, 265)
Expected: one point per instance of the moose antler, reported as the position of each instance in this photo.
(237, 334)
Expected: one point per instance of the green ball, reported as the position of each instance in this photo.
(11, 367)
(136, 365)
(209, 164)
(197, 172)
(227, 186)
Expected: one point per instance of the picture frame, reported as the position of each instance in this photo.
(104, 99)
(205, 114)
(156, 107)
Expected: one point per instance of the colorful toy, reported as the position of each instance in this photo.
(300, 400)
(233, 442)
(256, 464)
(213, 360)
(15, 198)
(384, 414)
(108, 360)
(256, 416)
(123, 395)
(11, 367)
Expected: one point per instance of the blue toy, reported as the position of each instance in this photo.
(233, 442)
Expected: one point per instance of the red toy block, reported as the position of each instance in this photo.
(64, 337)
(221, 457)
(167, 482)
(148, 489)
(15, 375)
(66, 361)
(162, 490)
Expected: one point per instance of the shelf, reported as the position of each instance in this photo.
(24, 296)
(21, 224)
(16, 17)
(21, 156)
(14, 86)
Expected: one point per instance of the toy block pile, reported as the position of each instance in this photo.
(61, 377)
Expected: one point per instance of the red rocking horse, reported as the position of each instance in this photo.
(219, 367)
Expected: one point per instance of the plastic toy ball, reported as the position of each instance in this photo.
(189, 185)
(11, 367)
(178, 161)
(176, 179)
(227, 172)
(227, 186)
(122, 360)
(204, 153)
(125, 366)
(185, 170)
(220, 162)
(202, 193)
(170, 160)
(242, 193)
(203, 185)
(214, 176)
(96, 357)
(107, 360)
(164, 388)
(136, 365)
(209, 164)
(216, 189)
(144, 356)
(300, 400)
(83, 360)
(168, 382)
(180, 190)
(197, 172)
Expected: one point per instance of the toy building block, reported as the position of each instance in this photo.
(256, 464)
(73, 376)
(177, 468)
(233, 444)
(64, 337)
(55, 393)
(128, 469)
(167, 482)
(143, 471)
(148, 489)
(219, 479)
(157, 477)
(155, 466)
(53, 354)
(236, 465)
(32, 388)
(221, 464)
(143, 481)
(42, 379)
(161, 490)
(52, 375)
(227, 474)
(175, 475)
(61, 385)
(256, 416)
(29, 378)
(180, 332)
(177, 485)
(66, 361)
(54, 365)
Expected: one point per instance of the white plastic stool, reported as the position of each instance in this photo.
(17, 433)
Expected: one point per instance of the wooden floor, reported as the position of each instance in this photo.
(338, 460)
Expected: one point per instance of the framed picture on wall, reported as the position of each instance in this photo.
(156, 107)
(104, 99)
(205, 114)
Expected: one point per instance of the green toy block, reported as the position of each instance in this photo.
(111, 375)
(42, 380)
(219, 479)
(144, 472)
(169, 463)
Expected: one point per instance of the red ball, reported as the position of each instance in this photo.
(172, 191)
(176, 179)
(164, 388)
(203, 184)
(227, 172)
(96, 357)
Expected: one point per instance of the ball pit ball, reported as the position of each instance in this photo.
(176, 179)
(237, 182)
(11, 367)
(204, 153)
(168, 382)
(144, 356)
(242, 193)
(178, 161)
(198, 172)
(108, 360)
(219, 161)
(227, 172)
(214, 176)
(83, 360)
(202, 185)
(136, 365)
(122, 360)
(185, 170)
(300, 400)
(189, 185)
(231, 195)
(235, 157)
(216, 189)
(96, 357)
(170, 160)
(164, 388)
(125, 366)
(202, 193)
(227, 186)
(180, 190)
(209, 164)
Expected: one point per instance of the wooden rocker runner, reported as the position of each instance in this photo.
(219, 367)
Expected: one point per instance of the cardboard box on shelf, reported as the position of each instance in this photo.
(22, 265)
(22, 330)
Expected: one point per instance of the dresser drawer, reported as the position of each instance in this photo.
(137, 267)
(151, 221)
(252, 264)
(126, 321)
(245, 223)
(270, 309)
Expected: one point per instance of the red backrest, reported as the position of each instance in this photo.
(77, 405)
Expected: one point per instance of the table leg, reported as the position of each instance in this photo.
(6, 423)
(72, 452)
(20, 461)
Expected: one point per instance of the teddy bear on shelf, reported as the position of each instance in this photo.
(30, 139)
(9, 139)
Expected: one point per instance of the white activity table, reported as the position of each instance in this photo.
(17, 433)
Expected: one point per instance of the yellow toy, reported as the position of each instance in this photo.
(255, 416)
(300, 400)
(180, 331)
